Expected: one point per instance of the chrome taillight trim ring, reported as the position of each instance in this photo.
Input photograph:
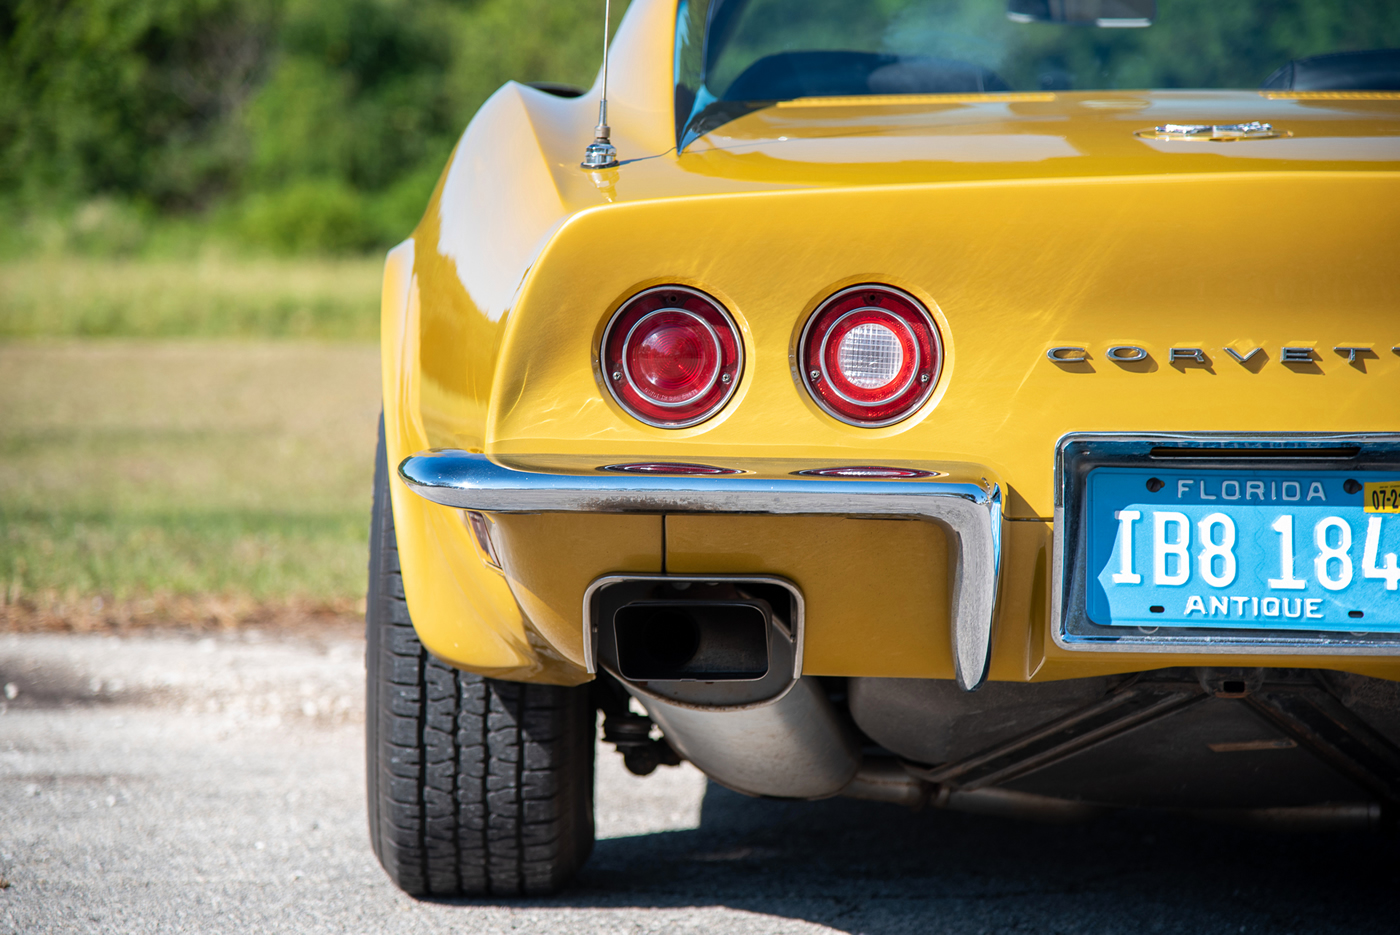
(729, 388)
(805, 366)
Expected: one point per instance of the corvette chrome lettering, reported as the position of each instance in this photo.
(1126, 353)
(1201, 357)
(1243, 358)
(1068, 354)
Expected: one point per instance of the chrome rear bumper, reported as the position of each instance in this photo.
(959, 498)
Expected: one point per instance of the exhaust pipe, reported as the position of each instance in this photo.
(1356, 816)
(715, 661)
(791, 748)
(885, 779)
(695, 640)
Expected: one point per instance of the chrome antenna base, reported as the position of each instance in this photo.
(601, 153)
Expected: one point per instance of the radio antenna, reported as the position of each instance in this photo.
(601, 153)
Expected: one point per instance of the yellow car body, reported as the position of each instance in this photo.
(1023, 221)
(1117, 527)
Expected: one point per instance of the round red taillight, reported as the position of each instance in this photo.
(870, 355)
(672, 356)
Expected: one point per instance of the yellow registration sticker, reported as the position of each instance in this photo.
(1383, 497)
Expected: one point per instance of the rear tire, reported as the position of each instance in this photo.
(476, 786)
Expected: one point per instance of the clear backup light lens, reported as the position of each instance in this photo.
(672, 356)
(870, 355)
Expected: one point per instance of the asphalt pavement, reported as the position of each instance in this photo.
(181, 783)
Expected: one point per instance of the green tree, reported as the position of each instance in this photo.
(129, 96)
(317, 125)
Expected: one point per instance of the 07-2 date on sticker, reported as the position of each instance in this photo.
(1383, 497)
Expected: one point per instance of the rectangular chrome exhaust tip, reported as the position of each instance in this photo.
(705, 640)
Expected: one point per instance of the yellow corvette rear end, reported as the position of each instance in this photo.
(1119, 535)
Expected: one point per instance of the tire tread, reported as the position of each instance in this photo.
(476, 786)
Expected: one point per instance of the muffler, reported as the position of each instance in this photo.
(716, 661)
(792, 748)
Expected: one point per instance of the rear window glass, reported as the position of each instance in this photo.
(731, 51)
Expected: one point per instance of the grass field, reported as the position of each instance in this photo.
(210, 297)
(193, 480)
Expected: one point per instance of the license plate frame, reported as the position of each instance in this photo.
(1368, 455)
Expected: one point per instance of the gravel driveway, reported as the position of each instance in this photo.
(179, 784)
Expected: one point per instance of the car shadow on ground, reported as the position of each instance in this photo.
(880, 869)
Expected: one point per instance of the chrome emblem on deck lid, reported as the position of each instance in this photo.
(1213, 132)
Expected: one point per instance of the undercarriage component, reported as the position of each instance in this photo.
(1353, 816)
(1007, 803)
(1259, 745)
(1123, 710)
(630, 734)
(796, 747)
(884, 779)
(1315, 719)
(933, 721)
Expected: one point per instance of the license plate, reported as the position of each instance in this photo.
(1279, 550)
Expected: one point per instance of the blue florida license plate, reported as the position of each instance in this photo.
(1242, 549)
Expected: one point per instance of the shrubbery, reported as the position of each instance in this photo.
(307, 125)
